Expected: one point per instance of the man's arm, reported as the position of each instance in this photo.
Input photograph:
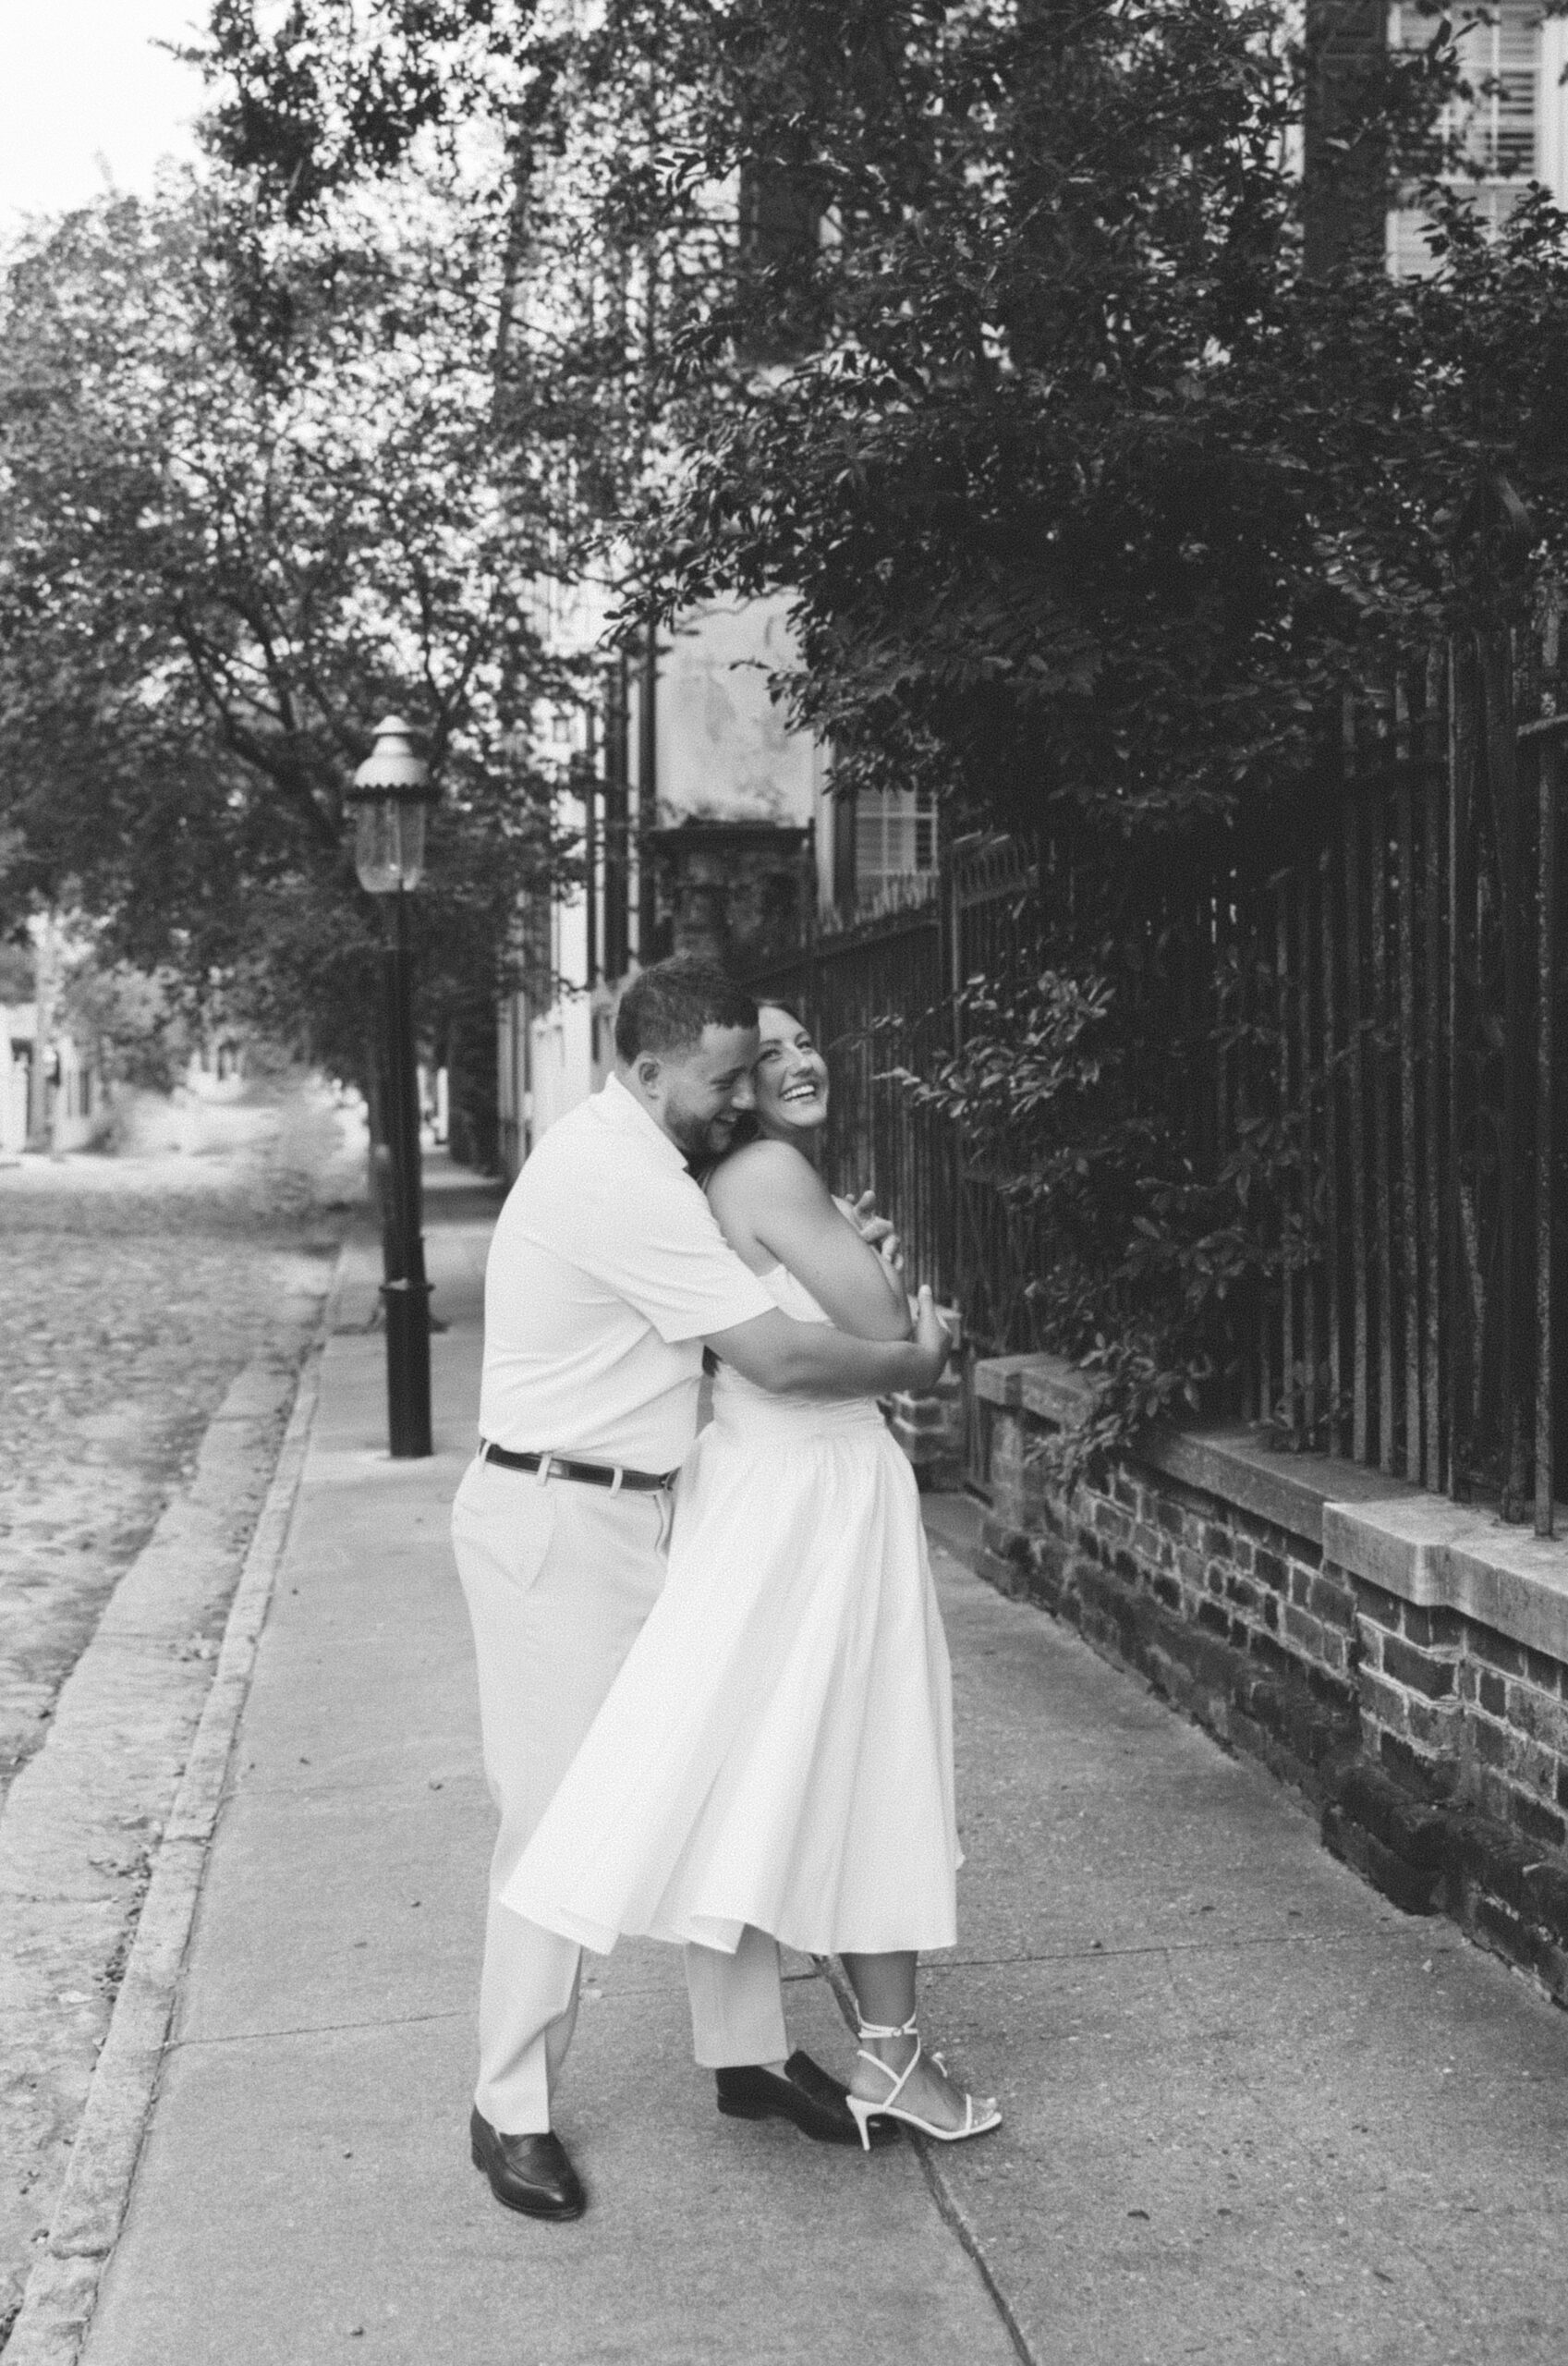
(809, 1359)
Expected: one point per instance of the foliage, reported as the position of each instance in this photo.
(1089, 499)
(16, 974)
(252, 497)
(136, 1025)
(1067, 1103)
(543, 127)
(983, 329)
(1026, 1059)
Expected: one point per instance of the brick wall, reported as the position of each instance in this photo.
(1436, 1749)
(930, 1428)
(1235, 1620)
(1459, 1712)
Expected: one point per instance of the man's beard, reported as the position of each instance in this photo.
(702, 1140)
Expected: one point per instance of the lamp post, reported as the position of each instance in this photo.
(391, 797)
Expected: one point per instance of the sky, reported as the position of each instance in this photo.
(82, 88)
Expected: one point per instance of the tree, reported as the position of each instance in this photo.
(254, 497)
(1085, 493)
(1089, 499)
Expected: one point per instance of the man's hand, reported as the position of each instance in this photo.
(862, 1214)
(876, 1231)
(932, 1338)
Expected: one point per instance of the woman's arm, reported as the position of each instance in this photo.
(878, 1233)
(768, 1197)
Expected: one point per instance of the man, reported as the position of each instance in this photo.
(607, 1276)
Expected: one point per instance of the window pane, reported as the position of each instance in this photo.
(1495, 127)
(894, 837)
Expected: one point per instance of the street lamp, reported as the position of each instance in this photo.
(391, 797)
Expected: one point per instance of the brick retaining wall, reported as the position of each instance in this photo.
(930, 1428)
(1433, 1743)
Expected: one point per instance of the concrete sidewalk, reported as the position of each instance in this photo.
(1252, 2113)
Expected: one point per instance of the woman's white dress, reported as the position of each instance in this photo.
(777, 1749)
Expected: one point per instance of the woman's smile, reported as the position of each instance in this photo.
(791, 1076)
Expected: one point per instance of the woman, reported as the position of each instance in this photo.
(777, 1747)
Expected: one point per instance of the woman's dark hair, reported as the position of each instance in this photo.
(665, 1007)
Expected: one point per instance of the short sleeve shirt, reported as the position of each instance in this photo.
(607, 1270)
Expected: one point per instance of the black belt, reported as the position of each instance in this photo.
(589, 1474)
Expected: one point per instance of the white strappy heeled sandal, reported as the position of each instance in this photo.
(976, 2122)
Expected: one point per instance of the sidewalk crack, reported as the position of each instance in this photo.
(948, 2210)
(309, 2029)
(1173, 1946)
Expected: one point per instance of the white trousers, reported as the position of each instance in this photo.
(559, 1578)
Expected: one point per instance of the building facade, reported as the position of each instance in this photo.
(65, 1107)
(706, 826)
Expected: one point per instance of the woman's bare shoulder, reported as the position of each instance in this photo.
(761, 1170)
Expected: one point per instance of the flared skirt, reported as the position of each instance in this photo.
(777, 1747)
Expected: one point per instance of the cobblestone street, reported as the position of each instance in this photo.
(132, 1290)
(135, 1287)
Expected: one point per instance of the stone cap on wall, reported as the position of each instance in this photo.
(1420, 1547)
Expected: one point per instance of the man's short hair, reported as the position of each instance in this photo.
(665, 1007)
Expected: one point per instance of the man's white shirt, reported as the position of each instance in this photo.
(606, 1271)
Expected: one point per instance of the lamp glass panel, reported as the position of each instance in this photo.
(389, 844)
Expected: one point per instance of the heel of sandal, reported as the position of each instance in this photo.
(862, 2113)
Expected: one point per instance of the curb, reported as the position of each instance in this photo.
(63, 2288)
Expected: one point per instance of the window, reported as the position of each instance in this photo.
(1497, 126)
(895, 839)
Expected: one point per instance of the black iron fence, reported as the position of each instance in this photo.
(1386, 995)
(872, 994)
(1418, 982)
(879, 995)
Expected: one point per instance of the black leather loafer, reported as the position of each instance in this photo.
(532, 2174)
(806, 2093)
